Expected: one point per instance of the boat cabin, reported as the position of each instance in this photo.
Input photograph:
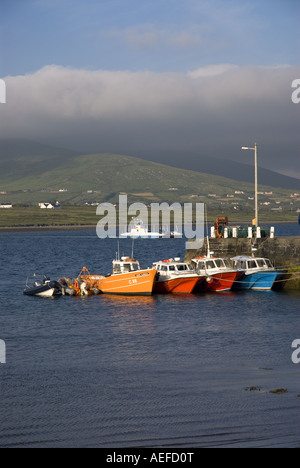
(249, 263)
(210, 263)
(125, 265)
(173, 266)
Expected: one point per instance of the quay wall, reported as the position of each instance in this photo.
(280, 250)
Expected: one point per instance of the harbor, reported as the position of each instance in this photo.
(203, 274)
(149, 227)
(123, 370)
(282, 251)
(231, 258)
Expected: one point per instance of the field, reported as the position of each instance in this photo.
(32, 174)
(35, 217)
(72, 216)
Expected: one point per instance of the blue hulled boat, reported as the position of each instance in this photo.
(258, 274)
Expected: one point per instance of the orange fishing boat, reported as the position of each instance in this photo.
(127, 279)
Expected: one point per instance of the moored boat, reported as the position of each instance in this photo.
(258, 274)
(220, 276)
(176, 277)
(41, 286)
(127, 278)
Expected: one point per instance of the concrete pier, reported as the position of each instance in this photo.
(281, 251)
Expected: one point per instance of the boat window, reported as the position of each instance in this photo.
(190, 268)
(135, 267)
(117, 268)
(201, 265)
(269, 264)
(127, 267)
(252, 264)
(164, 268)
(172, 268)
(261, 263)
(181, 267)
(210, 264)
(219, 263)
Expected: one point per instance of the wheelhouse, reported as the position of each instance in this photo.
(172, 267)
(211, 264)
(125, 265)
(249, 263)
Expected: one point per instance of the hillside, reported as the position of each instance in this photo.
(239, 171)
(22, 158)
(36, 174)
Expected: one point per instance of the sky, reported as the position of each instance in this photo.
(153, 77)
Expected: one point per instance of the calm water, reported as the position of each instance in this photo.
(140, 372)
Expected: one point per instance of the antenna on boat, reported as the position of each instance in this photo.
(118, 252)
(253, 250)
(207, 232)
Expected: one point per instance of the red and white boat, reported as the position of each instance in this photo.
(175, 276)
(219, 274)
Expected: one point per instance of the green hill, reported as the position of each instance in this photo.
(31, 174)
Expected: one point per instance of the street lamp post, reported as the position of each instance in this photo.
(256, 181)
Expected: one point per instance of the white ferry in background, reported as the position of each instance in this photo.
(140, 232)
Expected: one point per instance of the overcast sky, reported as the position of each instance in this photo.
(154, 76)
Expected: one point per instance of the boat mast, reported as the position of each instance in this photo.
(207, 231)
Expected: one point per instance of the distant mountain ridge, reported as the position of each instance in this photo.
(22, 158)
(31, 158)
(229, 169)
(32, 173)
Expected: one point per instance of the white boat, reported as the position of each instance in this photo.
(140, 232)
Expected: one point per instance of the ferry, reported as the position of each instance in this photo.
(176, 277)
(220, 276)
(140, 232)
(258, 274)
(127, 279)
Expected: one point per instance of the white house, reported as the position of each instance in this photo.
(46, 206)
(6, 205)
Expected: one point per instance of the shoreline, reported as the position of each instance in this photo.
(85, 227)
(89, 227)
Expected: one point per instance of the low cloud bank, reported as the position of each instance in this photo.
(212, 111)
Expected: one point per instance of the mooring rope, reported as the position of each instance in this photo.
(293, 277)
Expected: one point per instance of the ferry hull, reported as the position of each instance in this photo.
(137, 283)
